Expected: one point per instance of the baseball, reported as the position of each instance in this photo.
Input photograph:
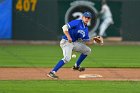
(73, 56)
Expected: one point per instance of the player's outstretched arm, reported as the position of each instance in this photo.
(90, 42)
(97, 39)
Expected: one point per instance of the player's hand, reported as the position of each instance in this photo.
(99, 40)
(69, 39)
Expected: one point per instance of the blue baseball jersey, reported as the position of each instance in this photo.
(77, 30)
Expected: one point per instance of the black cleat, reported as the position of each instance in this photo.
(52, 75)
(78, 68)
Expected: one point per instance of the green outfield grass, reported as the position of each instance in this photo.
(48, 56)
(69, 87)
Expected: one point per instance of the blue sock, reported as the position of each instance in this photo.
(58, 66)
(81, 58)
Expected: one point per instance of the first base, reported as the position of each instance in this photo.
(90, 76)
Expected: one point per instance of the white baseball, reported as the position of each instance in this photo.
(73, 56)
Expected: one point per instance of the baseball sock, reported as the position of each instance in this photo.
(58, 66)
(79, 61)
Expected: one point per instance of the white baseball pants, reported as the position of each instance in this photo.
(74, 46)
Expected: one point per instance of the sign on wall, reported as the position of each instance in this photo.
(34, 20)
(5, 19)
(77, 8)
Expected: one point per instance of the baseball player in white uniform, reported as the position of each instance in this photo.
(75, 38)
(106, 17)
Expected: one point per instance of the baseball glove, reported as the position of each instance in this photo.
(98, 40)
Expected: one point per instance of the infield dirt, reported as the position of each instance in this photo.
(68, 74)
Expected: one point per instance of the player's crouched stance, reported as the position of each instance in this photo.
(75, 30)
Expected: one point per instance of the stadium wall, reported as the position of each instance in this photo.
(43, 19)
(131, 20)
(35, 19)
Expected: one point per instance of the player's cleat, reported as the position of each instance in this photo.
(52, 75)
(78, 68)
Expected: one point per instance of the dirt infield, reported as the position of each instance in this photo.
(69, 74)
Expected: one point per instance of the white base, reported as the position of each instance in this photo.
(90, 76)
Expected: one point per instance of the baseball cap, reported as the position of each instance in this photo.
(87, 14)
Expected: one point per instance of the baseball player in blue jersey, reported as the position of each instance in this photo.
(74, 31)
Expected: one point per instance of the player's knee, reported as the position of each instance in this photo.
(87, 52)
(66, 59)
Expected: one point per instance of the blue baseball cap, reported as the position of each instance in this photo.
(87, 14)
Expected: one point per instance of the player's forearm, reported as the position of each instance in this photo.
(90, 42)
(67, 34)
(65, 30)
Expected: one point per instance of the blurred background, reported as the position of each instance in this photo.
(30, 31)
(43, 19)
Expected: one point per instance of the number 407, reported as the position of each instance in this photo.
(26, 5)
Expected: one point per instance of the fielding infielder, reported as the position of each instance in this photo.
(106, 17)
(74, 30)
